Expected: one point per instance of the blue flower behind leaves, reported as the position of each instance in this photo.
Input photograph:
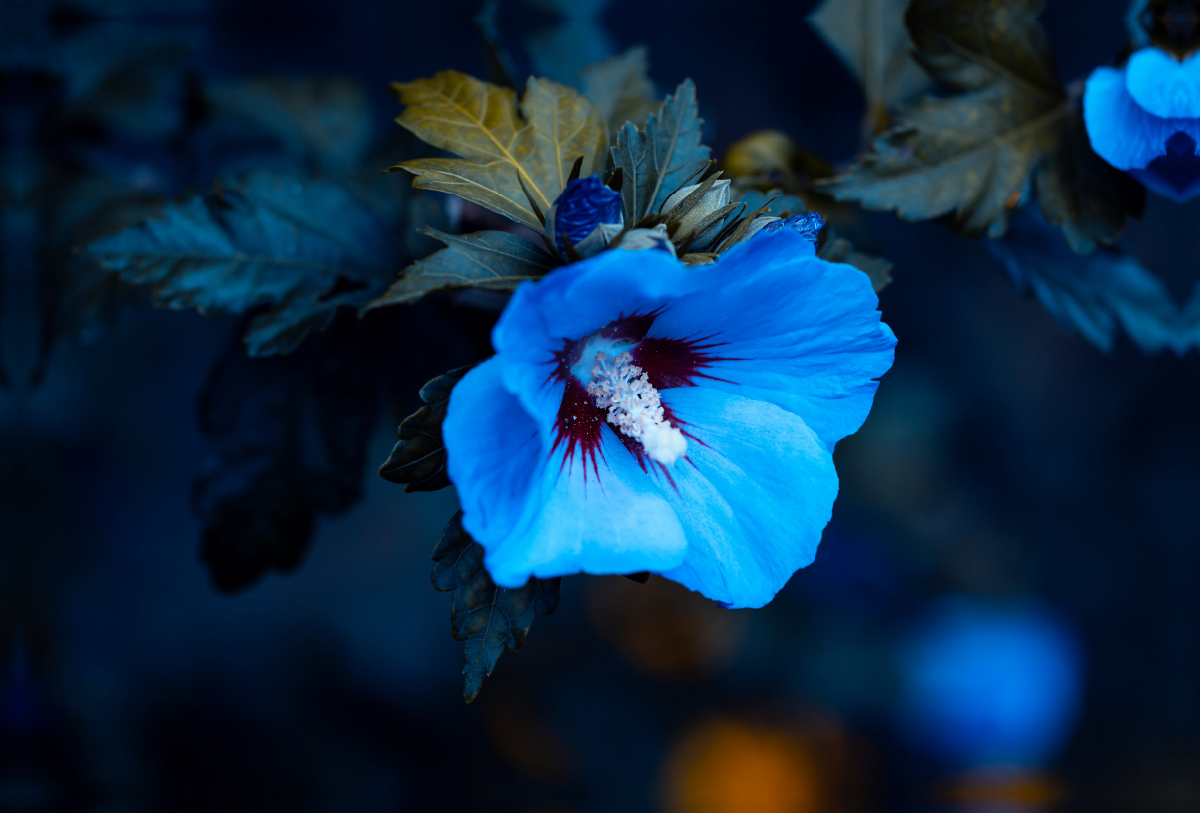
(583, 205)
(1145, 119)
(645, 415)
(807, 225)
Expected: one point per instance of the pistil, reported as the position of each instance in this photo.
(634, 407)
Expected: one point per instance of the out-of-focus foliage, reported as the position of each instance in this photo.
(1007, 130)
(1090, 294)
(303, 247)
(288, 437)
(511, 159)
(486, 617)
(621, 88)
(870, 38)
(418, 461)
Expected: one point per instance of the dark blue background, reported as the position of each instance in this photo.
(1008, 471)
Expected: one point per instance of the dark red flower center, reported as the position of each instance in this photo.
(668, 362)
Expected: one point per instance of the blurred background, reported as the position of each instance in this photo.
(1003, 614)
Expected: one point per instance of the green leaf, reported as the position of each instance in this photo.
(621, 88)
(488, 618)
(496, 260)
(418, 460)
(870, 38)
(657, 159)
(302, 246)
(499, 146)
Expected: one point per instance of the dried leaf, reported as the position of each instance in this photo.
(488, 618)
(659, 158)
(418, 460)
(496, 260)
(500, 146)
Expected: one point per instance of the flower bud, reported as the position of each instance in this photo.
(584, 204)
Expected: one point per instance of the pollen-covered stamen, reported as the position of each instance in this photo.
(634, 407)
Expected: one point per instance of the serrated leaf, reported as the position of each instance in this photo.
(486, 617)
(418, 460)
(499, 146)
(496, 260)
(621, 88)
(264, 239)
(328, 118)
(657, 159)
(976, 153)
(1091, 294)
(870, 38)
(972, 154)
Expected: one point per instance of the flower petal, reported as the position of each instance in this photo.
(790, 329)
(755, 492)
(1162, 86)
(1121, 132)
(596, 515)
(493, 451)
(550, 513)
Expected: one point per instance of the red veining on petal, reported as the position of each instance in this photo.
(669, 363)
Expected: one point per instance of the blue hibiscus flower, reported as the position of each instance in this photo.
(1145, 119)
(640, 414)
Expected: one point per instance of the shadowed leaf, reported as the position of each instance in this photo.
(418, 460)
(840, 250)
(288, 438)
(1082, 193)
(496, 260)
(658, 158)
(499, 146)
(870, 38)
(621, 88)
(329, 118)
(302, 246)
(1091, 294)
(486, 617)
(968, 44)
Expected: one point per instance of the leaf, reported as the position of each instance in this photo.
(499, 146)
(418, 460)
(968, 44)
(328, 118)
(972, 154)
(496, 260)
(976, 153)
(303, 246)
(288, 438)
(658, 158)
(870, 38)
(488, 618)
(770, 159)
(621, 88)
(1091, 294)
(840, 250)
(1082, 193)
